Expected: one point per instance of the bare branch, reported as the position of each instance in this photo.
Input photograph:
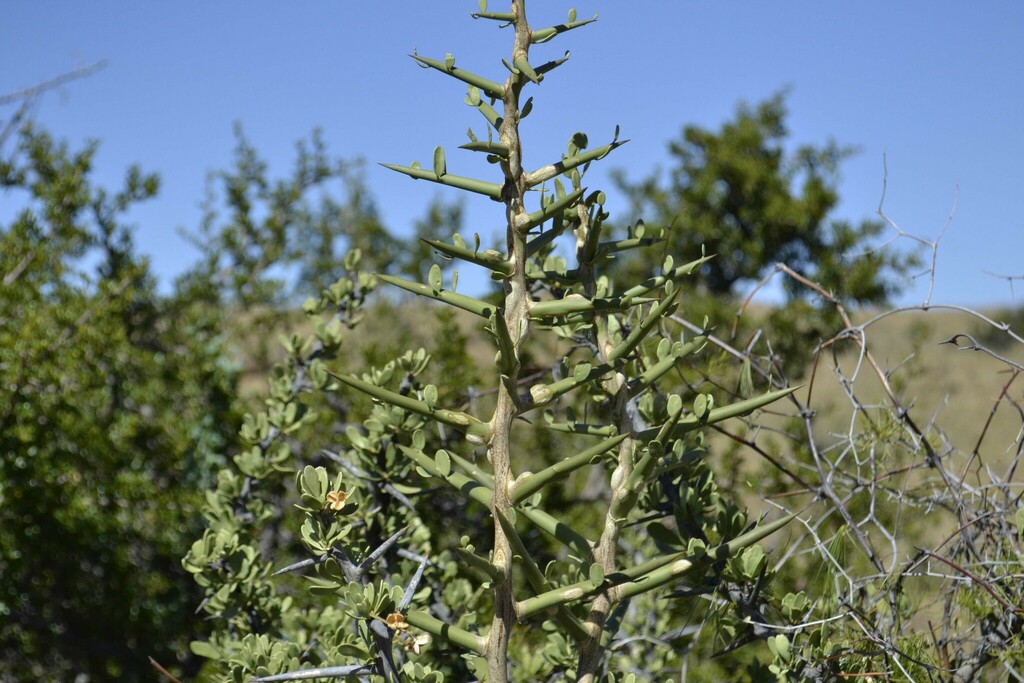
(37, 90)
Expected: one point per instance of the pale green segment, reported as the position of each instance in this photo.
(496, 148)
(466, 303)
(641, 330)
(537, 217)
(543, 35)
(677, 273)
(690, 422)
(454, 634)
(493, 89)
(495, 262)
(534, 482)
(650, 575)
(461, 421)
(568, 163)
(491, 190)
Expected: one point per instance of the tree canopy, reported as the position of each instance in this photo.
(743, 195)
(116, 405)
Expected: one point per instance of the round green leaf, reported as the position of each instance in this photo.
(440, 166)
(581, 372)
(782, 647)
(203, 649)
(664, 346)
(596, 574)
(434, 278)
(700, 406)
(526, 109)
(443, 462)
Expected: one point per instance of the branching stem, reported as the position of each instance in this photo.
(516, 314)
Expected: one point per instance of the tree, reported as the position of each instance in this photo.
(442, 218)
(114, 407)
(744, 198)
(117, 404)
(264, 239)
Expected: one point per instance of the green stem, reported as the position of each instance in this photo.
(580, 304)
(534, 219)
(678, 273)
(542, 394)
(581, 428)
(551, 170)
(477, 563)
(681, 565)
(641, 330)
(526, 487)
(471, 184)
(488, 259)
(466, 303)
(615, 246)
(476, 490)
(461, 421)
(539, 583)
(441, 629)
(691, 422)
(543, 35)
(488, 86)
(495, 148)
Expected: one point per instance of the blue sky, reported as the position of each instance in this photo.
(937, 87)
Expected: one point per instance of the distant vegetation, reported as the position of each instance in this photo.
(611, 467)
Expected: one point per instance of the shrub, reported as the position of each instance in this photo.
(431, 551)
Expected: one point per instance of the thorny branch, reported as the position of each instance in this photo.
(28, 96)
(896, 480)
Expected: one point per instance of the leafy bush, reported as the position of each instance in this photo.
(111, 422)
(408, 582)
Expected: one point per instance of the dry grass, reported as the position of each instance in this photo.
(950, 393)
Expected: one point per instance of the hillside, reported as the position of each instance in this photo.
(963, 399)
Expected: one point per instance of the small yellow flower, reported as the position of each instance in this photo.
(336, 500)
(396, 622)
(415, 643)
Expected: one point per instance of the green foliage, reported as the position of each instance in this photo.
(110, 421)
(119, 405)
(753, 204)
(272, 229)
(741, 195)
(419, 518)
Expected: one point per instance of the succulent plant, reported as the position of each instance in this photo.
(546, 589)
